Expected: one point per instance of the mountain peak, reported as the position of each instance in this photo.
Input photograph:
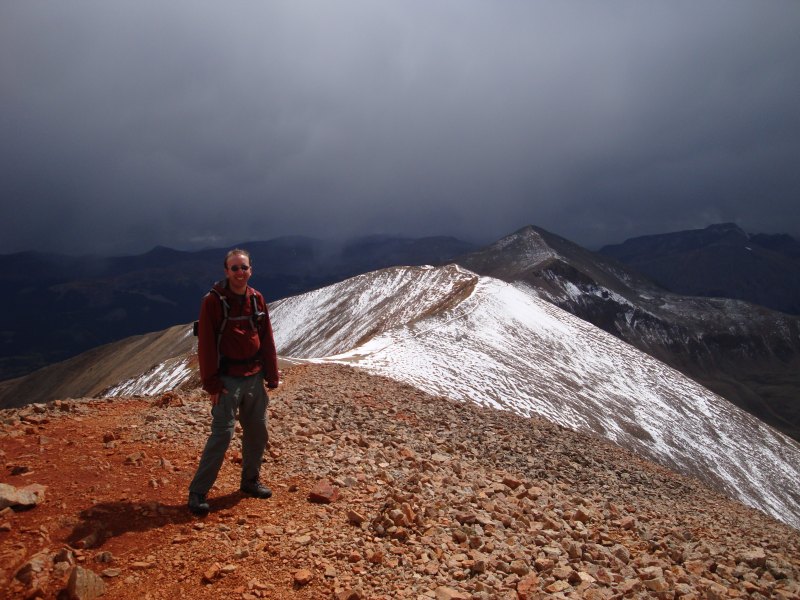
(724, 228)
(529, 234)
(524, 249)
(726, 233)
(679, 241)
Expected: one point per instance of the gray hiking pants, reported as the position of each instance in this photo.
(247, 396)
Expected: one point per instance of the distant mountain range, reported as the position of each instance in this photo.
(55, 306)
(719, 261)
(746, 353)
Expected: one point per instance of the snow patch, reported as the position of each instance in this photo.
(162, 378)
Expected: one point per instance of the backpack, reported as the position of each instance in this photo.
(256, 318)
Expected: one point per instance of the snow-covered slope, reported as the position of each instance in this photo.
(746, 353)
(341, 316)
(163, 377)
(479, 339)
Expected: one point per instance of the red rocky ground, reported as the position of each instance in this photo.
(428, 499)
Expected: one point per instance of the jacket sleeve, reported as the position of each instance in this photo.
(207, 330)
(269, 354)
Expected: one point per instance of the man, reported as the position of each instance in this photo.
(237, 357)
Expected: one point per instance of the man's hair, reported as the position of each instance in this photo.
(236, 251)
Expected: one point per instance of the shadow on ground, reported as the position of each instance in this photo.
(107, 520)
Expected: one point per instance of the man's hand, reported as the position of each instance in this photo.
(215, 397)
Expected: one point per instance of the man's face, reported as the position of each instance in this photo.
(238, 271)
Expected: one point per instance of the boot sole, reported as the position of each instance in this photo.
(256, 495)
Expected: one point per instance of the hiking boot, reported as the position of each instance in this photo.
(198, 505)
(256, 489)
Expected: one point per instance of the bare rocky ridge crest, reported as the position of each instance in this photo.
(436, 499)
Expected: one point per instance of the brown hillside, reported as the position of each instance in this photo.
(91, 372)
(436, 499)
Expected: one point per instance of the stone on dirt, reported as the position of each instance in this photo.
(21, 498)
(303, 577)
(85, 584)
(323, 493)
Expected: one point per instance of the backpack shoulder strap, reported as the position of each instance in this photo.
(259, 311)
(225, 310)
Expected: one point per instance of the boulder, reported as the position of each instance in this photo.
(21, 498)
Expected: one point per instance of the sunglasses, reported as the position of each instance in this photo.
(235, 268)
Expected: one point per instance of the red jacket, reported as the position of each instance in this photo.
(249, 349)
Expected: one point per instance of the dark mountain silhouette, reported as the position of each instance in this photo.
(746, 353)
(719, 261)
(55, 306)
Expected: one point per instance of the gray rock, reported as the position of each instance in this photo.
(85, 584)
(21, 498)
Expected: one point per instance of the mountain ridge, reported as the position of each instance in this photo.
(92, 372)
(719, 261)
(501, 345)
(748, 354)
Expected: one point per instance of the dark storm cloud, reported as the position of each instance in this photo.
(130, 124)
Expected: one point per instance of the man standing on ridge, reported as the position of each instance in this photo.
(237, 357)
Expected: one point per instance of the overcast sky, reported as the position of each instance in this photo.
(128, 124)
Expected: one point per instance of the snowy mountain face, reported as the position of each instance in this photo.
(322, 321)
(748, 354)
(451, 332)
(163, 377)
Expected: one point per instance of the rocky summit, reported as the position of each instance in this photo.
(380, 491)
